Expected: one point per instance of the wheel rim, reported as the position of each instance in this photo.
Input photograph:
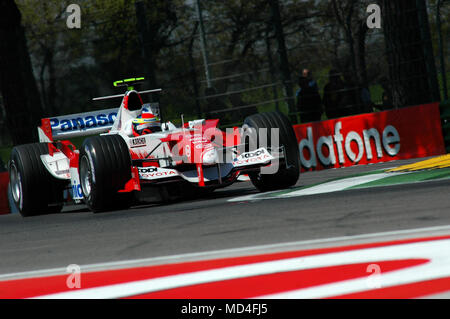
(16, 183)
(85, 176)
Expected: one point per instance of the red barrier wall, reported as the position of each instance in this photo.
(411, 132)
(4, 204)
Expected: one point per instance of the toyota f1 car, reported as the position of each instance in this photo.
(113, 166)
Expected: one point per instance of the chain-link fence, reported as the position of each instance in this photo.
(312, 59)
(337, 65)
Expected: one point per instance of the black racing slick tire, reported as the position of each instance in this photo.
(289, 169)
(105, 168)
(34, 190)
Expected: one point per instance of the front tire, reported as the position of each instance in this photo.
(289, 170)
(34, 190)
(105, 168)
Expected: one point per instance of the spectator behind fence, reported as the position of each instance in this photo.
(367, 104)
(309, 103)
(311, 82)
(352, 103)
(386, 96)
(334, 95)
(357, 97)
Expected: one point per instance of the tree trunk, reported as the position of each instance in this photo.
(193, 71)
(411, 63)
(361, 54)
(147, 50)
(52, 92)
(18, 86)
(283, 58)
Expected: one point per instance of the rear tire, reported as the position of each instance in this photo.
(105, 168)
(287, 175)
(34, 190)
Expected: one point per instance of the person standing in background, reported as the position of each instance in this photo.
(352, 103)
(334, 95)
(311, 82)
(366, 100)
(309, 102)
(386, 96)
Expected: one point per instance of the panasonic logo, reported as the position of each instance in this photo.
(67, 124)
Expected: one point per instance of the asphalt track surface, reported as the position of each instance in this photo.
(77, 236)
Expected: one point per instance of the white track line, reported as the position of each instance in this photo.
(323, 188)
(338, 185)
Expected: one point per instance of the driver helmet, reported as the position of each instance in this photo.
(146, 123)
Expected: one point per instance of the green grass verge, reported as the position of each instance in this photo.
(412, 177)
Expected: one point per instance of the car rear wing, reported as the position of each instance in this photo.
(75, 125)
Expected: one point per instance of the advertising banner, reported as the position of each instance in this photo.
(411, 132)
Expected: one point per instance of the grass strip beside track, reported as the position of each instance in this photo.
(417, 176)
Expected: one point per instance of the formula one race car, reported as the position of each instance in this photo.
(133, 150)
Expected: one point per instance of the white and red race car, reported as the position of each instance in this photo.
(112, 166)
